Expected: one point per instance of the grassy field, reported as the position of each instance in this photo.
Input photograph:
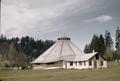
(110, 74)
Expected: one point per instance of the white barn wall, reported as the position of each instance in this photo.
(101, 66)
(104, 64)
(98, 64)
(92, 66)
(76, 65)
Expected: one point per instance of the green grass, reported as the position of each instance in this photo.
(110, 74)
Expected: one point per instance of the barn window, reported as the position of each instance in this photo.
(71, 63)
(50, 63)
(101, 63)
(37, 63)
(90, 63)
(80, 63)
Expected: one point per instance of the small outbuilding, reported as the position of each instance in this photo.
(64, 54)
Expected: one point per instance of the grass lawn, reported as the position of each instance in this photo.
(110, 74)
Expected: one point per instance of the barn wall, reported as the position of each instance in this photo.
(54, 65)
(91, 66)
(98, 62)
(104, 64)
(78, 65)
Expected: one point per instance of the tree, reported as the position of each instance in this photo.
(108, 40)
(116, 55)
(87, 49)
(101, 45)
(96, 44)
(12, 54)
(109, 46)
(117, 41)
(21, 51)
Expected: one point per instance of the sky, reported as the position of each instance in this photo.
(50, 19)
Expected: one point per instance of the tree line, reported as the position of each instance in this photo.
(103, 44)
(21, 51)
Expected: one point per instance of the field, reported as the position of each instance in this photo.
(110, 74)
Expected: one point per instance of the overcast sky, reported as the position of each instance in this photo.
(49, 19)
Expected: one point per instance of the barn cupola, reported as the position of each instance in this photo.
(64, 38)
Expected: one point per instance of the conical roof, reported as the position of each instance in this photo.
(62, 48)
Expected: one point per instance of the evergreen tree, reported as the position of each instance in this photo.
(108, 40)
(87, 49)
(109, 46)
(101, 45)
(22, 51)
(117, 42)
(96, 44)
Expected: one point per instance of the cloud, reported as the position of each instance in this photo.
(17, 19)
(100, 19)
(20, 18)
(38, 17)
(103, 18)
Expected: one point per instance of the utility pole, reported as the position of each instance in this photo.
(0, 18)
